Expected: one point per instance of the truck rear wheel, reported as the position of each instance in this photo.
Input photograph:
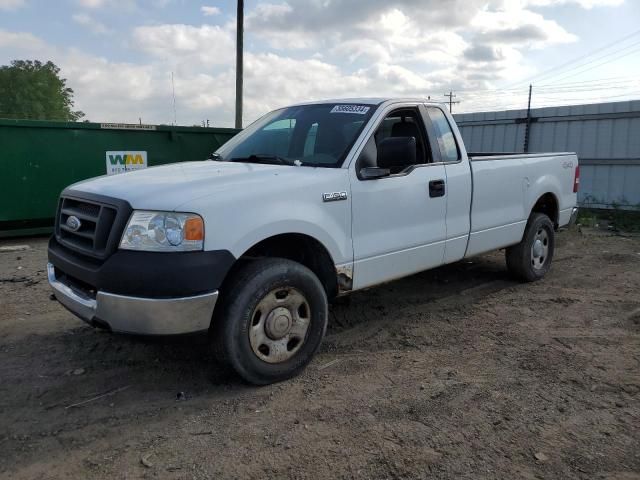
(530, 260)
(271, 321)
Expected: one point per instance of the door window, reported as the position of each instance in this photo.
(447, 141)
(403, 122)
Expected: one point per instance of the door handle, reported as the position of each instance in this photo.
(436, 188)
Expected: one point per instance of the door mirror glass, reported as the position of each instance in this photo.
(394, 152)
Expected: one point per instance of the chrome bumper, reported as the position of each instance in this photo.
(143, 316)
(574, 216)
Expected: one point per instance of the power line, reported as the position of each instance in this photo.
(551, 102)
(576, 60)
(501, 103)
(499, 98)
(588, 88)
(605, 80)
(578, 99)
(632, 81)
(597, 59)
(600, 64)
(557, 93)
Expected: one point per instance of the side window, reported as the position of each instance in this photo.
(405, 123)
(446, 139)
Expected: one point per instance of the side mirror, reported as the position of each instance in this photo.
(397, 152)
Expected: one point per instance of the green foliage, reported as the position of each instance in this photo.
(625, 220)
(587, 218)
(33, 90)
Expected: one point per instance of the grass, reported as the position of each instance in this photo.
(614, 219)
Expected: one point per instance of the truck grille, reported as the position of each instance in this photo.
(91, 234)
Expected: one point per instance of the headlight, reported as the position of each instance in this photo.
(163, 232)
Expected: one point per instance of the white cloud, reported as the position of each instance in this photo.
(12, 4)
(588, 4)
(91, 3)
(90, 23)
(519, 28)
(23, 41)
(209, 11)
(125, 5)
(187, 45)
(304, 50)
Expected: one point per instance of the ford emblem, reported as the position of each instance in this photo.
(73, 223)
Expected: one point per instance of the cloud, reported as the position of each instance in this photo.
(21, 41)
(127, 5)
(91, 3)
(209, 11)
(187, 45)
(587, 4)
(303, 50)
(12, 4)
(90, 23)
(518, 27)
(483, 53)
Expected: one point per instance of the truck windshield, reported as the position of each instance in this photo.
(318, 135)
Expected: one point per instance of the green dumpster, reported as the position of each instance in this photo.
(38, 159)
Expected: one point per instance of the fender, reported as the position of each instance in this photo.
(291, 200)
(545, 184)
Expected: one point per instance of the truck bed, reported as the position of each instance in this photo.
(503, 155)
(506, 186)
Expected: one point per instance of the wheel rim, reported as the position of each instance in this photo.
(279, 325)
(540, 249)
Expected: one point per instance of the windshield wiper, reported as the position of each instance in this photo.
(268, 159)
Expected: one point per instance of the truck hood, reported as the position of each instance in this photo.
(169, 186)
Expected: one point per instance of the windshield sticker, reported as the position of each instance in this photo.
(357, 109)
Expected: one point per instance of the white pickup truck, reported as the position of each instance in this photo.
(308, 203)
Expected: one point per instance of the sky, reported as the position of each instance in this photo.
(119, 56)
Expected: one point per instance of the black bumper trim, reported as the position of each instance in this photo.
(146, 274)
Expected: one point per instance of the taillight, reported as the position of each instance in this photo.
(576, 180)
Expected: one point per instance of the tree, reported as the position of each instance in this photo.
(32, 90)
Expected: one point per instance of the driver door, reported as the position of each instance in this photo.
(398, 221)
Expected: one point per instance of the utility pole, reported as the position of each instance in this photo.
(451, 102)
(528, 125)
(239, 62)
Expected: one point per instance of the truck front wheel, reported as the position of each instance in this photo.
(530, 260)
(271, 321)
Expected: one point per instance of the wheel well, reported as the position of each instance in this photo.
(548, 205)
(302, 249)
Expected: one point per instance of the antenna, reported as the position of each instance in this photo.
(173, 89)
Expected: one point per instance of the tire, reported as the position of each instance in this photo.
(530, 260)
(259, 329)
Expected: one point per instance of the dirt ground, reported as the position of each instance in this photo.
(454, 373)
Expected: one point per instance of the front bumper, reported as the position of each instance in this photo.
(137, 315)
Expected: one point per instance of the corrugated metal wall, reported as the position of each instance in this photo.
(606, 137)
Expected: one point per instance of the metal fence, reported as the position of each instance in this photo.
(606, 137)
